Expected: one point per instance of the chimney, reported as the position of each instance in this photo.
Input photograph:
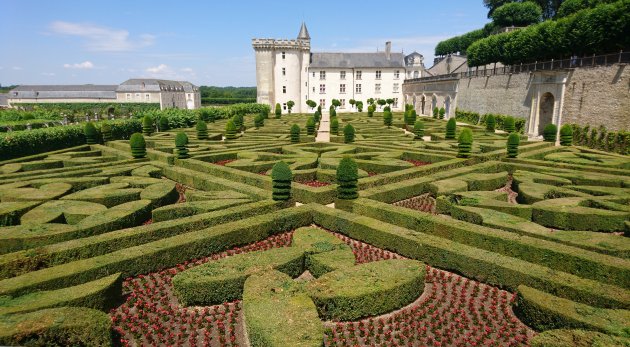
(388, 49)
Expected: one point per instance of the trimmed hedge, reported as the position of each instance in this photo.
(543, 311)
(347, 179)
(102, 294)
(368, 289)
(279, 318)
(281, 178)
(450, 129)
(577, 338)
(90, 133)
(512, 145)
(464, 146)
(576, 213)
(138, 146)
(191, 208)
(66, 326)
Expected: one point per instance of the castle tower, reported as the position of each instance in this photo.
(281, 70)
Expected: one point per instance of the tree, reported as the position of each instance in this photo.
(230, 130)
(370, 101)
(334, 126)
(147, 125)
(310, 126)
(389, 101)
(566, 135)
(317, 116)
(91, 135)
(464, 143)
(181, 141)
(238, 121)
(490, 123)
(163, 123)
(202, 130)
(311, 104)
(418, 130)
(138, 146)
(370, 110)
(259, 121)
(450, 129)
(517, 14)
(333, 113)
(549, 7)
(336, 103)
(359, 106)
(381, 102)
(436, 112)
(347, 179)
(512, 145)
(281, 178)
(442, 112)
(290, 105)
(508, 124)
(295, 133)
(278, 110)
(264, 113)
(351, 102)
(550, 132)
(106, 132)
(348, 134)
(387, 118)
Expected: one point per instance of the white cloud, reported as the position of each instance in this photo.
(100, 38)
(160, 69)
(167, 72)
(16, 68)
(50, 74)
(187, 69)
(84, 65)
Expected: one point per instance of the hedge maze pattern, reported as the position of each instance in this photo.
(99, 248)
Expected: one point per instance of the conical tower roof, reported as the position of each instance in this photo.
(303, 35)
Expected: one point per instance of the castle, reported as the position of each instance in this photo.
(287, 70)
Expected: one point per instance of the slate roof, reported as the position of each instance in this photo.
(84, 91)
(303, 35)
(153, 85)
(356, 60)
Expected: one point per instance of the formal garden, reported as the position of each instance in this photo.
(234, 226)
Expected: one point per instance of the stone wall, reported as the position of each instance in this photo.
(499, 94)
(598, 96)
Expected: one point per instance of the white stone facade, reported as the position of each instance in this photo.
(287, 70)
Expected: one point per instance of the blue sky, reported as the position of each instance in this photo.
(205, 42)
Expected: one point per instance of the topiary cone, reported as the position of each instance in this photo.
(490, 123)
(310, 126)
(348, 133)
(106, 132)
(259, 121)
(295, 133)
(387, 118)
(508, 125)
(334, 126)
(347, 179)
(464, 145)
(202, 130)
(512, 145)
(281, 178)
(566, 135)
(550, 132)
(418, 130)
(138, 146)
(230, 130)
(163, 122)
(91, 134)
(181, 141)
(451, 126)
(147, 125)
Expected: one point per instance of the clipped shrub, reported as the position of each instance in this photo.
(464, 143)
(334, 126)
(348, 134)
(387, 118)
(138, 146)
(370, 110)
(181, 141)
(281, 178)
(566, 135)
(264, 113)
(549, 132)
(512, 145)
(451, 126)
(278, 110)
(238, 121)
(418, 130)
(310, 126)
(230, 130)
(91, 134)
(106, 132)
(347, 179)
(147, 125)
(387, 109)
(436, 112)
(163, 123)
(317, 116)
(295, 133)
(517, 14)
(412, 117)
(442, 113)
(490, 123)
(202, 130)
(508, 124)
(259, 121)
(359, 106)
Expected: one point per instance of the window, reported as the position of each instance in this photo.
(284, 71)
(284, 89)
(313, 89)
(377, 88)
(147, 97)
(322, 75)
(396, 86)
(137, 96)
(322, 103)
(306, 84)
(378, 74)
(395, 103)
(128, 96)
(358, 75)
(322, 89)
(313, 74)
(357, 89)
(397, 74)
(416, 74)
(284, 106)
(283, 55)
(342, 75)
(342, 88)
(343, 103)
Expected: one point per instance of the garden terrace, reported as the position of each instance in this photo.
(436, 250)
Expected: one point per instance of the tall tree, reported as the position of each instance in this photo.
(549, 7)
